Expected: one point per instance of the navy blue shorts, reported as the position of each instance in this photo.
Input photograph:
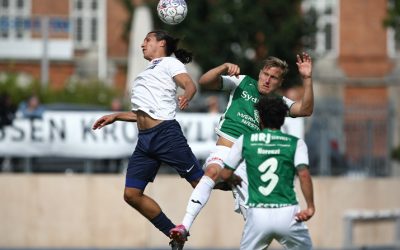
(164, 143)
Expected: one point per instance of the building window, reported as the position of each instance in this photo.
(85, 16)
(4, 26)
(13, 16)
(19, 27)
(78, 4)
(20, 4)
(325, 40)
(94, 5)
(78, 29)
(94, 30)
(4, 4)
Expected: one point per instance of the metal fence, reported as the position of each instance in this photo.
(350, 142)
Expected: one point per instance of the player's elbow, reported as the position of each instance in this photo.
(305, 179)
(308, 111)
(304, 113)
(203, 82)
(304, 173)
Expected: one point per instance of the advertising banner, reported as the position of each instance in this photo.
(70, 134)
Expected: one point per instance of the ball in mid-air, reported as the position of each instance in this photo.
(172, 11)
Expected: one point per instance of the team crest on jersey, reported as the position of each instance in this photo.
(154, 63)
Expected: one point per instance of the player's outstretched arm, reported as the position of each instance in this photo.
(128, 116)
(212, 78)
(305, 106)
(308, 193)
(185, 82)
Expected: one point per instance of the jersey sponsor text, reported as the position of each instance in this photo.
(268, 205)
(262, 151)
(245, 95)
(248, 121)
(263, 137)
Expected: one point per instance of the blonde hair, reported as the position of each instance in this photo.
(272, 61)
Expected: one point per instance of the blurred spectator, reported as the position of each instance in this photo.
(7, 114)
(31, 108)
(116, 105)
(7, 110)
(294, 93)
(213, 104)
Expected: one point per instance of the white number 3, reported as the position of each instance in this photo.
(269, 167)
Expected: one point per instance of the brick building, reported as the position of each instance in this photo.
(356, 83)
(84, 40)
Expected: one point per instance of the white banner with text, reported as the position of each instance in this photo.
(70, 134)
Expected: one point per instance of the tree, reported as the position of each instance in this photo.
(242, 32)
(393, 17)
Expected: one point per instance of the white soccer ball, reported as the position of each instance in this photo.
(172, 11)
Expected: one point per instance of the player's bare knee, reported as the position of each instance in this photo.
(132, 197)
(194, 183)
(212, 171)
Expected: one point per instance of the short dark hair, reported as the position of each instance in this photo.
(272, 110)
(172, 46)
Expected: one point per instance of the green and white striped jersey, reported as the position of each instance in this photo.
(271, 158)
(240, 115)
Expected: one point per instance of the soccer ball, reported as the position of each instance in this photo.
(172, 11)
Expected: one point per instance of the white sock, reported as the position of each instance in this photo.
(198, 199)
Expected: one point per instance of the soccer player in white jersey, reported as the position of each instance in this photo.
(241, 117)
(272, 160)
(160, 138)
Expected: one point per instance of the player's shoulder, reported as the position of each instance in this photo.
(174, 63)
(250, 135)
(282, 135)
(170, 59)
(170, 63)
(248, 80)
(245, 78)
(236, 80)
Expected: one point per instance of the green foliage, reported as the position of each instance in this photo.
(127, 4)
(396, 154)
(91, 93)
(393, 17)
(95, 93)
(242, 32)
(17, 92)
